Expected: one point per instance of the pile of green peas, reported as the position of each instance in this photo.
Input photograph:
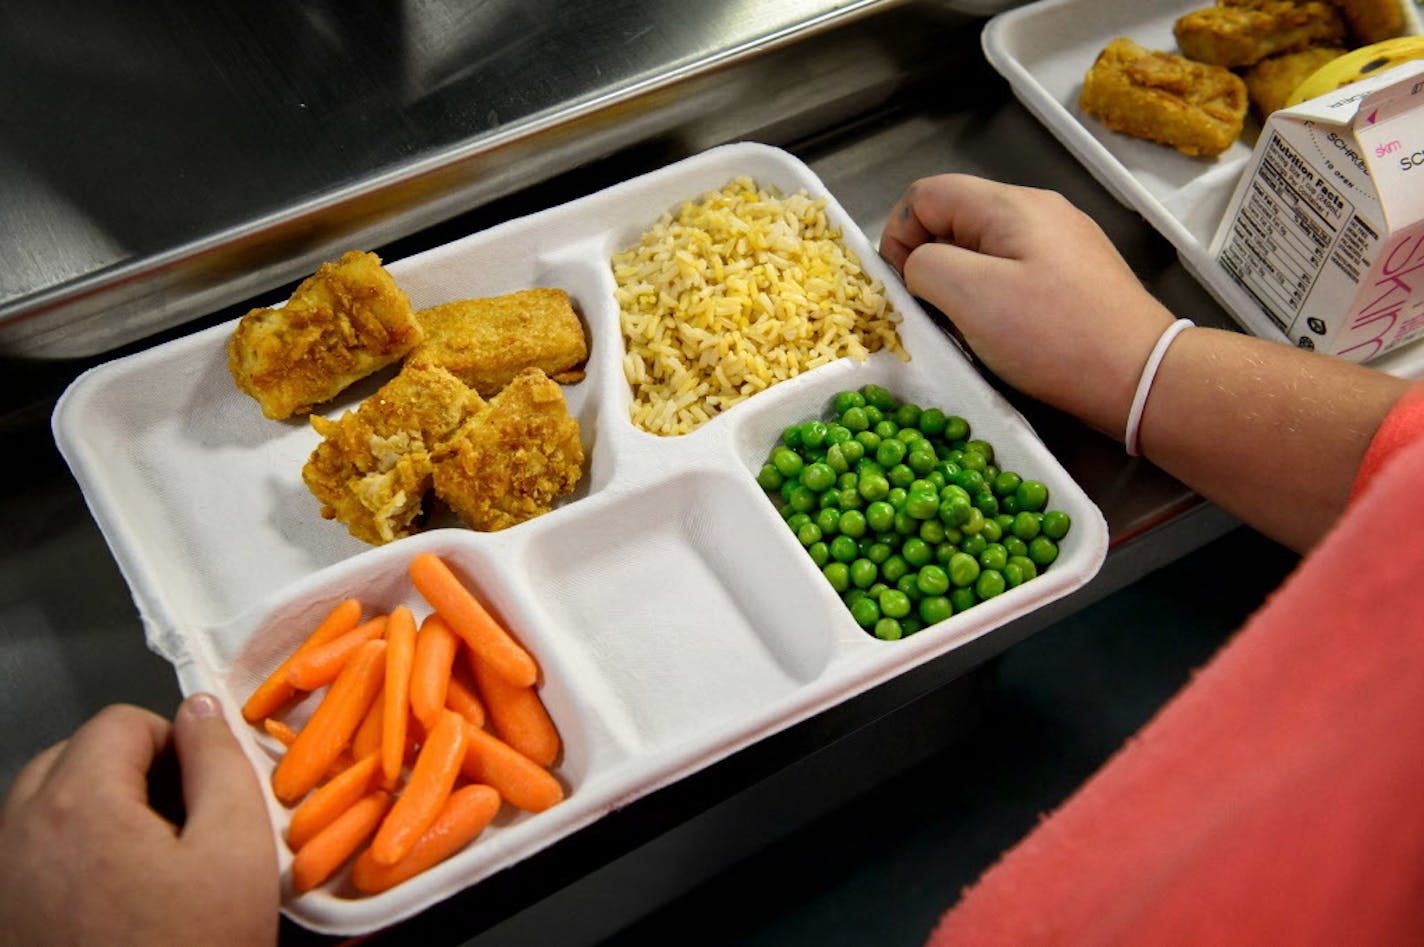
(906, 513)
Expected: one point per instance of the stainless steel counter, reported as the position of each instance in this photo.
(70, 640)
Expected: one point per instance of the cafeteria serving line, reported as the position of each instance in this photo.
(423, 148)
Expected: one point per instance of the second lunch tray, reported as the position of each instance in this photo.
(674, 616)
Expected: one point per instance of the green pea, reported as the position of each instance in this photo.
(932, 580)
(894, 603)
(992, 531)
(852, 523)
(878, 397)
(994, 556)
(937, 478)
(853, 451)
(863, 573)
(873, 486)
(820, 553)
(808, 534)
(787, 461)
(973, 523)
(963, 598)
(837, 433)
(1016, 547)
(803, 499)
(1031, 495)
(818, 477)
(836, 459)
(921, 461)
(944, 551)
(896, 498)
(922, 504)
(868, 440)
(797, 520)
(1009, 504)
(955, 429)
(875, 590)
(873, 415)
(879, 552)
(888, 629)
(982, 448)
(974, 545)
(901, 475)
(828, 519)
(1026, 526)
(973, 460)
(989, 584)
(971, 481)
(1042, 551)
(830, 500)
(912, 438)
(932, 532)
(910, 625)
(890, 452)
(963, 569)
(880, 516)
(917, 552)
(886, 429)
(935, 609)
(932, 421)
(844, 549)
(954, 511)
(1056, 524)
(985, 502)
(845, 400)
(909, 586)
(1006, 483)
(907, 415)
(849, 498)
(838, 574)
(769, 478)
(1013, 574)
(852, 596)
(791, 437)
(854, 420)
(865, 611)
(1030, 568)
(893, 568)
(813, 434)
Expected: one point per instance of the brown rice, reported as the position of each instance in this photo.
(735, 292)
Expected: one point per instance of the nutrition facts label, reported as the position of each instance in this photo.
(1288, 224)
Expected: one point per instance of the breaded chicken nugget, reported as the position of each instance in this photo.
(486, 342)
(1196, 108)
(373, 468)
(344, 322)
(510, 462)
(1237, 33)
(1370, 21)
(1271, 81)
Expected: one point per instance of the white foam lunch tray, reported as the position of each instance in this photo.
(674, 616)
(1044, 48)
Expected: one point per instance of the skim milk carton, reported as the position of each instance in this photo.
(1326, 227)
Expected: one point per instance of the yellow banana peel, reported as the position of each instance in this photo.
(1357, 64)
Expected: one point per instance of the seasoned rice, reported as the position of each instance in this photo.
(735, 292)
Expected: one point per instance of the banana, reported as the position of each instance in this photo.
(1358, 64)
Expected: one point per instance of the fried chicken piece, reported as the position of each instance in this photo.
(1271, 81)
(343, 323)
(511, 461)
(1238, 33)
(1194, 107)
(374, 469)
(486, 342)
(1370, 21)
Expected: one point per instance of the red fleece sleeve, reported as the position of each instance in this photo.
(1403, 425)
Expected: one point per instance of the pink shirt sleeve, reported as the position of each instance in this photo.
(1277, 798)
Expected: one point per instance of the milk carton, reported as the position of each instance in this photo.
(1326, 227)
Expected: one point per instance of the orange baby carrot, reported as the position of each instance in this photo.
(522, 782)
(284, 732)
(469, 619)
(332, 724)
(400, 654)
(431, 780)
(462, 699)
(435, 650)
(329, 800)
(517, 715)
(368, 736)
(325, 852)
(465, 815)
(318, 666)
(273, 693)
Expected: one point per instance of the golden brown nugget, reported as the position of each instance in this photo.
(1239, 33)
(1196, 108)
(486, 342)
(1370, 21)
(373, 469)
(1271, 81)
(510, 462)
(344, 322)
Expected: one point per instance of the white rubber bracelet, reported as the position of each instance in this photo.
(1144, 384)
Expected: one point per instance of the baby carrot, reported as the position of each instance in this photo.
(425, 792)
(517, 715)
(460, 698)
(400, 654)
(522, 782)
(368, 736)
(284, 733)
(325, 852)
(318, 666)
(332, 724)
(469, 619)
(329, 800)
(465, 815)
(273, 693)
(435, 650)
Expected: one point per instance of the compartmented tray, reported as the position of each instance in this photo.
(674, 616)
(1044, 48)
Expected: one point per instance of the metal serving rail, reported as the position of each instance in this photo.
(71, 642)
